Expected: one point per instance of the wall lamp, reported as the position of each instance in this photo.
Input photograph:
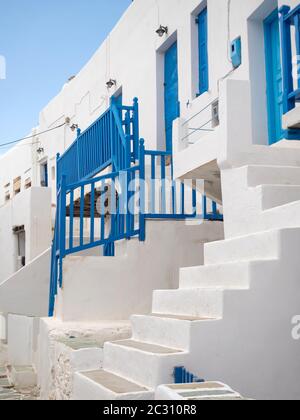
(111, 83)
(162, 30)
(74, 127)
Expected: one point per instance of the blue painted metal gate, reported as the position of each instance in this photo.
(274, 78)
(172, 106)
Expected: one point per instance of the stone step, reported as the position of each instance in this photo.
(274, 155)
(101, 385)
(163, 329)
(282, 217)
(146, 364)
(21, 377)
(199, 303)
(234, 275)
(277, 195)
(196, 391)
(272, 175)
(244, 248)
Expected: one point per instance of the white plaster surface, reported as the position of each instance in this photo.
(115, 288)
(65, 348)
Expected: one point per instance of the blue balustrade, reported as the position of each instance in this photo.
(95, 210)
(183, 376)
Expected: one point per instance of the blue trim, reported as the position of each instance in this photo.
(273, 77)
(172, 105)
(183, 376)
(203, 52)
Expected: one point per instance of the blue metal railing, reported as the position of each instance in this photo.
(114, 206)
(183, 376)
(288, 19)
(102, 144)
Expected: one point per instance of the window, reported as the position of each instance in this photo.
(7, 192)
(17, 185)
(7, 196)
(27, 183)
(203, 51)
(44, 174)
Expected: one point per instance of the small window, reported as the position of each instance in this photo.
(7, 196)
(17, 185)
(44, 174)
(28, 183)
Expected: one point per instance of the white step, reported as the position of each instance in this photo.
(100, 385)
(196, 391)
(245, 248)
(146, 364)
(22, 377)
(274, 155)
(277, 195)
(272, 175)
(163, 329)
(234, 275)
(282, 217)
(191, 302)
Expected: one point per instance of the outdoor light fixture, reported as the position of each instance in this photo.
(111, 83)
(74, 127)
(162, 30)
(40, 150)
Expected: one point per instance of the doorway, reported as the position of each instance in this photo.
(172, 106)
(274, 78)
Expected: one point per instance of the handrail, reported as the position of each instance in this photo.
(106, 200)
(200, 112)
(101, 145)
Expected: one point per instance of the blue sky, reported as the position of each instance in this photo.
(44, 43)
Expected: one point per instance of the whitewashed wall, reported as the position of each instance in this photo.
(31, 208)
(133, 55)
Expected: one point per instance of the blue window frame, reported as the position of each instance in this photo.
(203, 51)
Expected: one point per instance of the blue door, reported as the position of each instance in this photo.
(172, 107)
(274, 78)
(203, 51)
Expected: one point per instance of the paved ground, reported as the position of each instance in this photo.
(8, 393)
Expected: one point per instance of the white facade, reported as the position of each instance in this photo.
(232, 306)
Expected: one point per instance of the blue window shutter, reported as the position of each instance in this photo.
(203, 52)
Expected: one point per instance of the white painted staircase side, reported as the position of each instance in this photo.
(137, 269)
(230, 319)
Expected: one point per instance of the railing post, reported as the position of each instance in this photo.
(112, 136)
(204, 207)
(58, 177)
(62, 227)
(136, 128)
(286, 50)
(142, 228)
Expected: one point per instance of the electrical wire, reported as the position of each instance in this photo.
(32, 136)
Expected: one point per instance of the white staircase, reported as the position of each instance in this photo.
(230, 319)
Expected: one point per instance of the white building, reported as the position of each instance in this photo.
(215, 91)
